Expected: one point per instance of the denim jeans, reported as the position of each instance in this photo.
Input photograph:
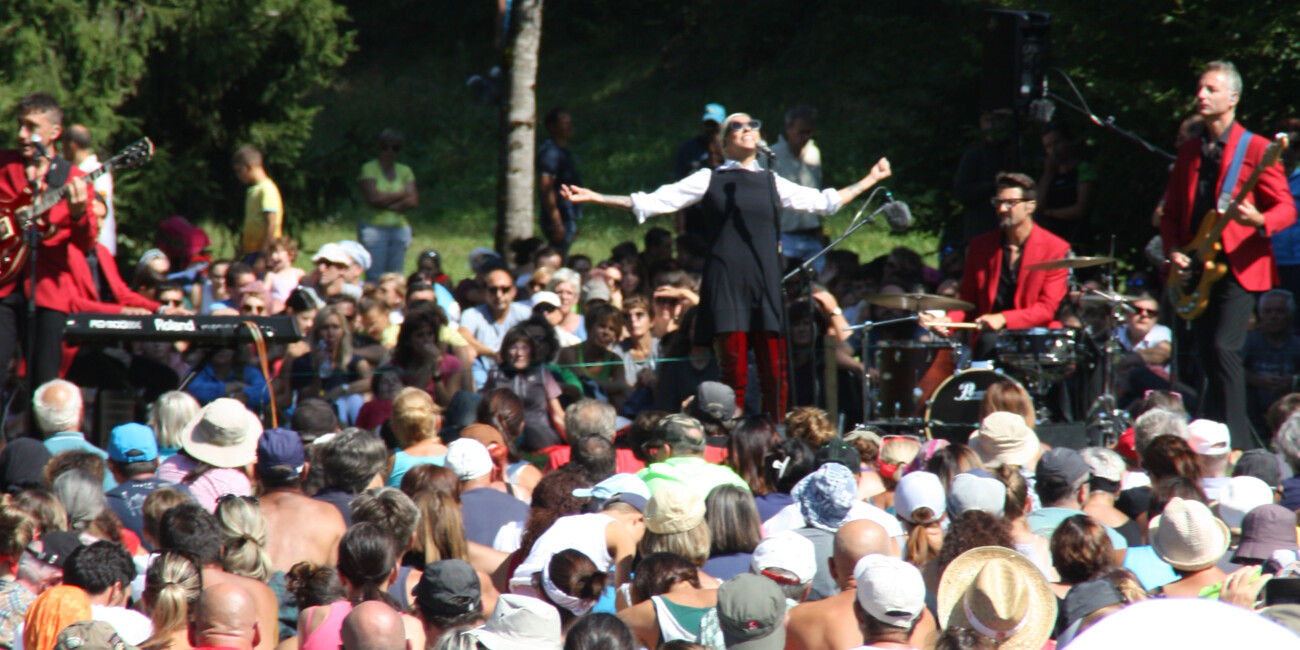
(799, 247)
(387, 246)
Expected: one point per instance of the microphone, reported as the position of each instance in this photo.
(1041, 110)
(897, 213)
(39, 143)
(762, 148)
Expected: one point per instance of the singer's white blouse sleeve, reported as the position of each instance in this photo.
(690, 190)
(671, 197)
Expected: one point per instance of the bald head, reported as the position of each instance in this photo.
(372, 625)
(853, 541)
(225, 616)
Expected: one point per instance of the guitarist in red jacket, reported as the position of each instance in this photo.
(60, 264)
(1195, 190)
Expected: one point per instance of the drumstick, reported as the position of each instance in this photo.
(969, 326)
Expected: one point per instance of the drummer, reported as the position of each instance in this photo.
(1007, 294)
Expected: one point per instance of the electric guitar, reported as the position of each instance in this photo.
(28, 211)
(1191, 296)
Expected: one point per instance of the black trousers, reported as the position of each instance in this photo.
(44, 364)
(1218, 336)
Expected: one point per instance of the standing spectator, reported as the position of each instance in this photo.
(79, 146)
(1069, 185)
(695, 154)
(796, 158)
(20, 572)
(1271, 355)
(215, 450)
(485, 326)
(133, 460)
(974, 183)
(485, 509)
(389, 189)
(555, 168)
(263, 211)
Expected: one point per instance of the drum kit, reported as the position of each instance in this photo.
(932, 389)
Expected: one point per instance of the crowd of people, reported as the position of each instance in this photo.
(554, 451)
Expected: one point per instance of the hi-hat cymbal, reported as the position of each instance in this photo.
(917, 302)
(1071, 263)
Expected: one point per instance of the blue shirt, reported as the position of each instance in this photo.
(480, 324)
(127, 502)
(1286, 243)
(485, 510)
(75, 440)
(207, 386)
(1044, 522)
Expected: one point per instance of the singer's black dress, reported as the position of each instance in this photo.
(741, 288)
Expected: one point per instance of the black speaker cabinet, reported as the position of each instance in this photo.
(1016, 45)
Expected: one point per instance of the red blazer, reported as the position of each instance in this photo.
(89, 300)
(61, 267)
(1250, 256)
(1038, 293)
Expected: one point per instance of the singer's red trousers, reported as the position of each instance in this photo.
(732, 349)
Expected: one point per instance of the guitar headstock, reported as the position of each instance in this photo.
(134, 155)
(1275, 148)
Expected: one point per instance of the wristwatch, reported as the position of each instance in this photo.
(837, 311)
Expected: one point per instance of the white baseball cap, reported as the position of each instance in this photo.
(919, 490)
(786, 550)
(889, 589)
(1241, 495)
(1209, 438)
(469, 459)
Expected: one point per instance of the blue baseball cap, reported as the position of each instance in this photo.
(619, 488)
(714, 112)
(279, 447)
(132, 443)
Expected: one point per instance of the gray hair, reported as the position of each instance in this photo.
(168, 416)
(82, 496)
(1229, 72)
(391, 508)
(589, 417)
(34, 571)
(1277, 293)
(564, 274)
(1288, 440)
(1157, 422)
(352, 459)
(57, 415)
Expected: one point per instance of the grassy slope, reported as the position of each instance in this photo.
(631, 111)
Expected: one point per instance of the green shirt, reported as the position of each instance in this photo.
(691, 471)
(402, 175)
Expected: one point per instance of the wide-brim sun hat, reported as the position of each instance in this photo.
(1004, 438)
(1001, 595)
(1187, 536)
(223, 434)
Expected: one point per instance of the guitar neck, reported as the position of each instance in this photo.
(51, 198)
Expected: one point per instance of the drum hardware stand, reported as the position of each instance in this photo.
(805, 270)
(1106, 421)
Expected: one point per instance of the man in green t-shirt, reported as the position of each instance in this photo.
(263, 211)
(677, 451)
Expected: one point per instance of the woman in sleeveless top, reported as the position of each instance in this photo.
(322, 605)
(415, 422)
(331, 370)
(667, 601)
(740, 297)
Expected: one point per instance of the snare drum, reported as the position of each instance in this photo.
(954, 411)
(1037, 348)
(909, 373)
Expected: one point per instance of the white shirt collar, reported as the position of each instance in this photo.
(735, 164)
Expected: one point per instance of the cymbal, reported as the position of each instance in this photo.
(1071, 263)
(1100, 296)
(917, 302)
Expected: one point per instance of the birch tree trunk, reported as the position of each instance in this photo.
(518, 132)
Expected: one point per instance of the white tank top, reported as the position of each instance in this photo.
(585, 533)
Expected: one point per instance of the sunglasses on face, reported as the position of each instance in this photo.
(499, 290)
(1138, 311)
(753, 125)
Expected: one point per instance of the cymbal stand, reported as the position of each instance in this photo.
(1106, 421)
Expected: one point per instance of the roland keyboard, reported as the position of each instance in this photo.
(199, 330)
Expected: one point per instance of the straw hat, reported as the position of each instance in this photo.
(223, 434)
(1000, 594)
(1005, 439)
(1188, 536)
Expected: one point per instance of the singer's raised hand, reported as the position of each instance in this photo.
(881, 170)
(576, 194)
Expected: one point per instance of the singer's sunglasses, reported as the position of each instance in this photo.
(753, 125)
(1011, 203)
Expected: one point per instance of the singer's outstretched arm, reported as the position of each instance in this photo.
(575, 194)
(879, 172)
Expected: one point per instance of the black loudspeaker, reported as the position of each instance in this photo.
(1016, 44)
(1065, 434)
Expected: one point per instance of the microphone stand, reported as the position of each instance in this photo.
(1108, 123)
(805, 269)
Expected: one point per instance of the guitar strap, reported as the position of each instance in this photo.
(1234, 170)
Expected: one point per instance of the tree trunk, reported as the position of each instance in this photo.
(518, 138)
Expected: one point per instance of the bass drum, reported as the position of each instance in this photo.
(954, 410)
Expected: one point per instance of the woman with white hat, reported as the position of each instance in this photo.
(218, 449)
(1191, 539)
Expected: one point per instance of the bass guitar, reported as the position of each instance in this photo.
(29, 210)
(1192, 295)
